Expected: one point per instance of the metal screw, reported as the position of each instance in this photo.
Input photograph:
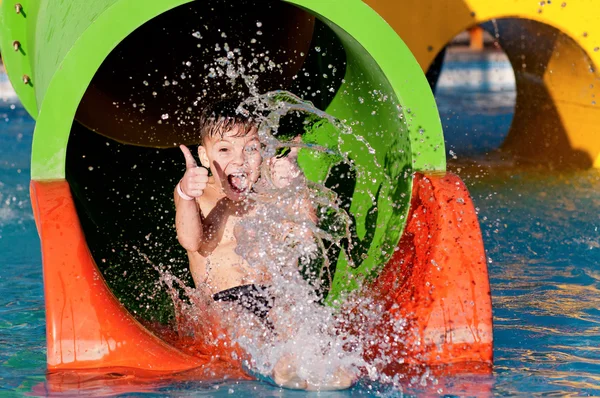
(26, 79)
(18, 8)
(16, 45)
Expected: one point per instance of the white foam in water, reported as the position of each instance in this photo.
(304, 330)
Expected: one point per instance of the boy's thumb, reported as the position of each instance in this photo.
(190, 162)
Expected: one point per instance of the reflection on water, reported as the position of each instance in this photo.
(22, 326)
(541, 235)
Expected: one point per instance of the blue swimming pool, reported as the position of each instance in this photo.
(540, 228)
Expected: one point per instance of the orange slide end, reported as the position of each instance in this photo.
(437, 279)
(86, 326)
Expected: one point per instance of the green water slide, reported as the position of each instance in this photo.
(114, 86)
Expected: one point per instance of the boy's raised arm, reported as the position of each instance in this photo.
(286, 169)
(188, 221)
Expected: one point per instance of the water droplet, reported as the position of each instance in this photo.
(258, 24)
(164, 116)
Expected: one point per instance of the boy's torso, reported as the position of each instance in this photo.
(222, 268)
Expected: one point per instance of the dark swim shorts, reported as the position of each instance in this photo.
(254, 298)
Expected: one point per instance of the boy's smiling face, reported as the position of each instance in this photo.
(234, 160)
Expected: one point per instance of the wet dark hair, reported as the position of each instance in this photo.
(223, 116)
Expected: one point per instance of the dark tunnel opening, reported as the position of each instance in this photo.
(122, 156)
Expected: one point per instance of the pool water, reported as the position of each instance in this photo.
(540, 229)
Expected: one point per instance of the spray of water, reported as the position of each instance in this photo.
(285, 233)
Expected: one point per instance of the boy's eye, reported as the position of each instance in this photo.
(223, 149)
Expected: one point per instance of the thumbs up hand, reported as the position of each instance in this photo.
(195, 178)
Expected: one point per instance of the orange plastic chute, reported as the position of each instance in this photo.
(437, 279)
(86, 326)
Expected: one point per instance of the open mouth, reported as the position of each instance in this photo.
(238, 182)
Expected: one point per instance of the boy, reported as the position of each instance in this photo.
(208, 208)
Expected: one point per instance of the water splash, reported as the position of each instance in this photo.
(289, 232)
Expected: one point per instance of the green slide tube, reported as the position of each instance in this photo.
(56, 52)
